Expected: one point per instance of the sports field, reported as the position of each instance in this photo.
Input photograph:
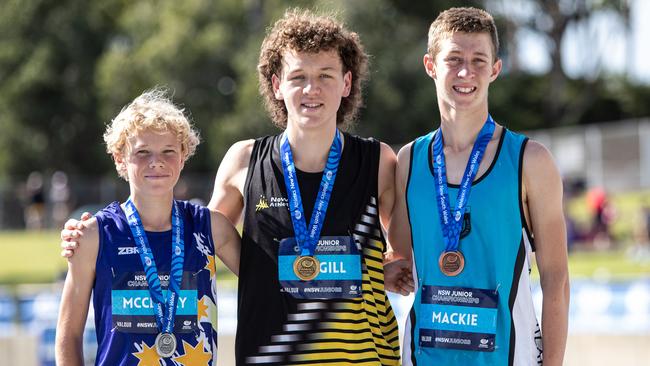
(33, 257)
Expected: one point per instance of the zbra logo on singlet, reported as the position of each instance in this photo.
(263, 203)
(127, 250)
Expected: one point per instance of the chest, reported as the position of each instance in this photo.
(456, 161)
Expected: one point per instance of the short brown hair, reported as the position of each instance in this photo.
(303, 31)
(469, 20)
(153, 110)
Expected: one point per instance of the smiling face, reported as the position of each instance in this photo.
(463, 70)
(153, 162)
(311, 86)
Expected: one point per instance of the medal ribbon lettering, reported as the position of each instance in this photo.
(164, 307)
(451, 228)
(308, 239)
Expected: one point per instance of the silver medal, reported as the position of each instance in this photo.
(165, 344)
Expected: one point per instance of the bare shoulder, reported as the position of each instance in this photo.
(234, 166)
(239, 153)
(405, 152)
(86, 252)
(386, 152)
(228, 192)
(387, 161)
(90, 229)
(403, 162)
(538, 161)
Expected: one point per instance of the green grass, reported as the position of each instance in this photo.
(30, 257)
(33, 257)
(605, 265)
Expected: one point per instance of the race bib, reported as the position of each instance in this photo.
(133, 309)
(458, 318)
(337, 275)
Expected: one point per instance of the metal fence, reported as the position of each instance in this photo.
(614, 156)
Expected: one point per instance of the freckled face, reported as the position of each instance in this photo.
(153, 162)
(311, 86)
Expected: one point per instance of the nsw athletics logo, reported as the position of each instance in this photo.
(272, 202)
(262, 204)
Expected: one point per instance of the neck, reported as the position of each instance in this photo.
(460, 129)
(310, 148)
(155, 213)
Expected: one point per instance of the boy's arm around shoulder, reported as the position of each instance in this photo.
(227, 243)
(543, 199)
(227, 196)
(75, 298)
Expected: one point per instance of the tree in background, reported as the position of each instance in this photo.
(591, 96)
(48, 54)
(67, 66)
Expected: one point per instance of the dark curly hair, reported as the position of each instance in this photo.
(303, 31)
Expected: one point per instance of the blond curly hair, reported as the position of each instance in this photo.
(303, 31)
(153, 110)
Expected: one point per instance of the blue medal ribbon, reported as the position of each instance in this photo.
(164, 306)
(307, 238)
(451, 227)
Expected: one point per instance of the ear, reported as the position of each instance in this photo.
(120, 164)
(347, 80)
(275, 82)
(118, 159)
(429, 65)
(496, 69)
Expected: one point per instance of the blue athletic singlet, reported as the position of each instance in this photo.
(124, 316)
(485, 314)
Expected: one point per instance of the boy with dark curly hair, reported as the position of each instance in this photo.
(313, 198)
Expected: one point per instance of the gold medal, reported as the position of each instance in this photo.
(306, 267)
(451, 263)
(165, 344)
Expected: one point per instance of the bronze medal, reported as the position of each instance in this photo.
(306, 267)
(451, 263)
(165, 344)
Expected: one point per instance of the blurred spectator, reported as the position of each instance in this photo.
(602, 215)
(59, 196)
(35, 205)
(572, 188)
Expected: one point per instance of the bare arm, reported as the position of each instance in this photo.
(543, 201)
(386, 184)
(76, 298)
(398, 262)
(399, 231)
(228, 193)
(226, 241)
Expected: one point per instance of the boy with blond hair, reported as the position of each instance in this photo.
(149, 261)
(473, 303)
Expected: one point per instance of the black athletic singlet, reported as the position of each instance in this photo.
(275, 328)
